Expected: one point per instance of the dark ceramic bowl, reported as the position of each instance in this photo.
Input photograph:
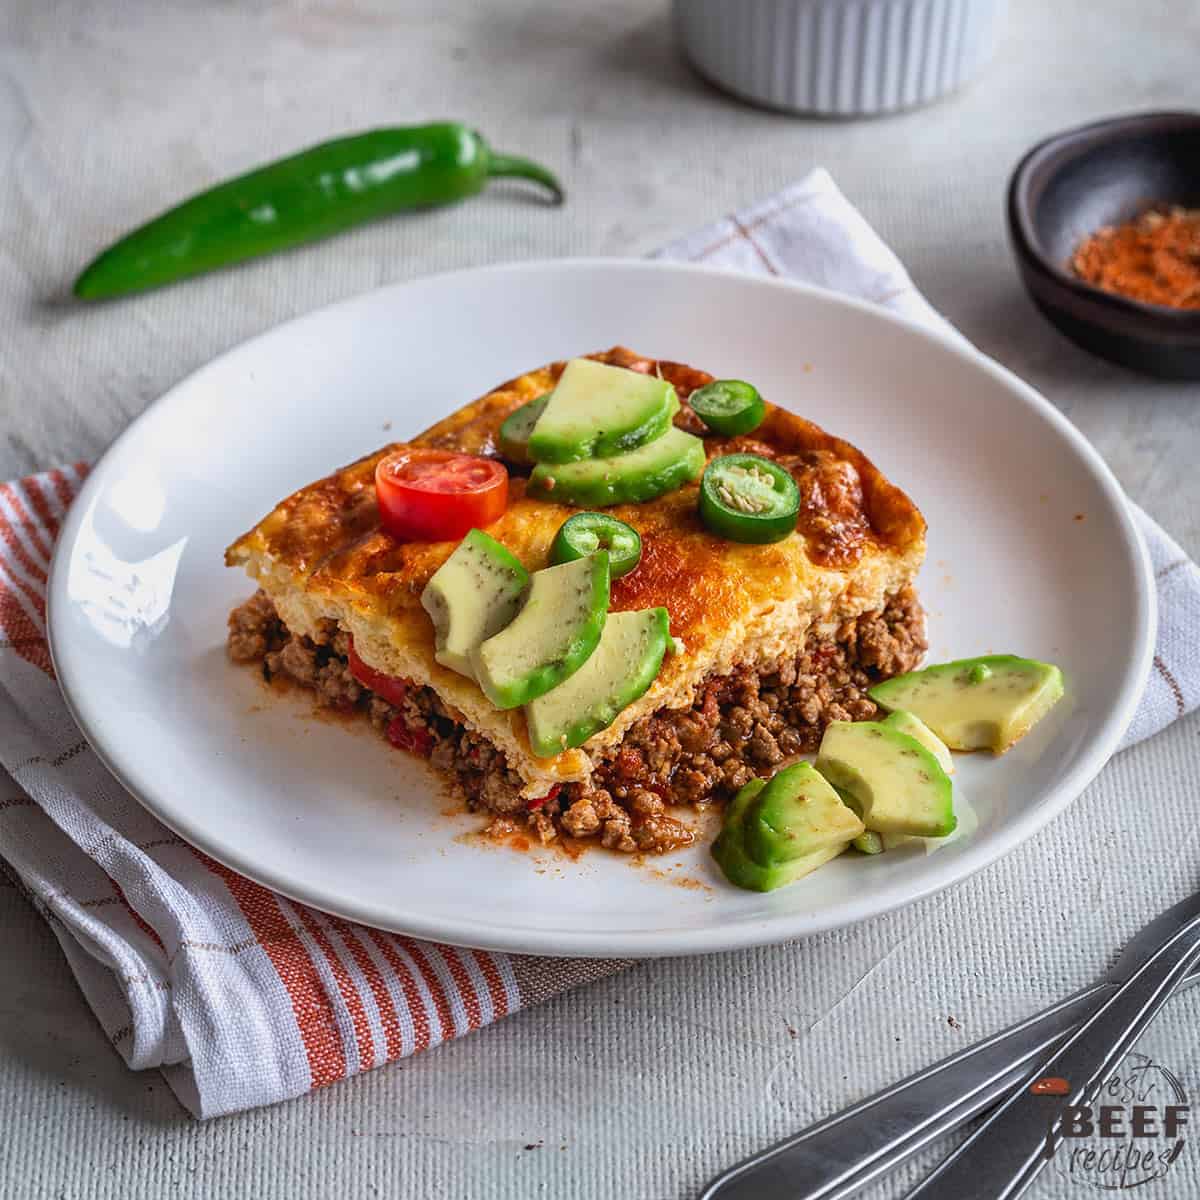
(1066, 188)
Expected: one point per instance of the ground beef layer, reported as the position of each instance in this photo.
(742, 725)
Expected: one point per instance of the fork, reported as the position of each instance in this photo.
(841, 1154)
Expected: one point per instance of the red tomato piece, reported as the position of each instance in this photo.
(415, 741)
(437, 496)
(538, 801)
(386, 687)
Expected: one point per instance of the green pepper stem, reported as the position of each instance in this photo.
(506, 166)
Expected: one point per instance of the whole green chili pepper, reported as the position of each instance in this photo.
(310, 195)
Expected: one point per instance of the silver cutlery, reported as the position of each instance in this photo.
(842, 1153)
(1007, 1152)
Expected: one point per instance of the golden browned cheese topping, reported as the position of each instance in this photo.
(330, 531)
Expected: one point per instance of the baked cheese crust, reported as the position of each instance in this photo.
(322, 557)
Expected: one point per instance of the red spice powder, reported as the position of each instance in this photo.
(1154, 259)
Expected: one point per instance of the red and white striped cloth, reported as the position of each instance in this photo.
(242, 997)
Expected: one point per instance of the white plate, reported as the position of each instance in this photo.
(1031, 550)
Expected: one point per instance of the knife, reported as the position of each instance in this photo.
(1003, 1157)
(843, 1153)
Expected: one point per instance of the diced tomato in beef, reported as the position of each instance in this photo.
(540, 801)
(386, 687)
(405, 737)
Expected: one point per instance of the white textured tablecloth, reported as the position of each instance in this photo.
(645, 1083)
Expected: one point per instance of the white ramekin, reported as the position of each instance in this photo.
(839, 57)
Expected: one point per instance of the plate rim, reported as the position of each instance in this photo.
(584, 943)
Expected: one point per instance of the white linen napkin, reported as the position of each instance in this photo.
(242, 997)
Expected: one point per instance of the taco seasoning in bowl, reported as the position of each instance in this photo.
(1103, 223)
(1154, 259)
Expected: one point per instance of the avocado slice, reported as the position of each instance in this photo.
(472, 595)
(621, 668)
(906, 722)
(986, 703)
(729, 851)
(895, 784)
(797, 815)
(868, 842)
(660, 466)
(516, 428)
(824, 831)
(596, 411)
(552, 636)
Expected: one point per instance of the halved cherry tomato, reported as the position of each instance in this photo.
(386, 687)
(437, 496)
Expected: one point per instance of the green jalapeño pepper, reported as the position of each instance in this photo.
(728, 406)
(587, 532)
(745, 498)
(318, 192)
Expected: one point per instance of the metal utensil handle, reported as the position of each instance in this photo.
(842, 1153)
(1006, 1153)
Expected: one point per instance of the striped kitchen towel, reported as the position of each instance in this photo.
(242, 997)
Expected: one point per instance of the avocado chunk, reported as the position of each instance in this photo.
(986, 703)
(552, 636)
(472, 596)
(868, 842)
(729, 851)
(658, 467)
(821, 824)
(894, 783)
(797, 815)
(596, 411)
(620, 669)
(905, 722)
(517, 426)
